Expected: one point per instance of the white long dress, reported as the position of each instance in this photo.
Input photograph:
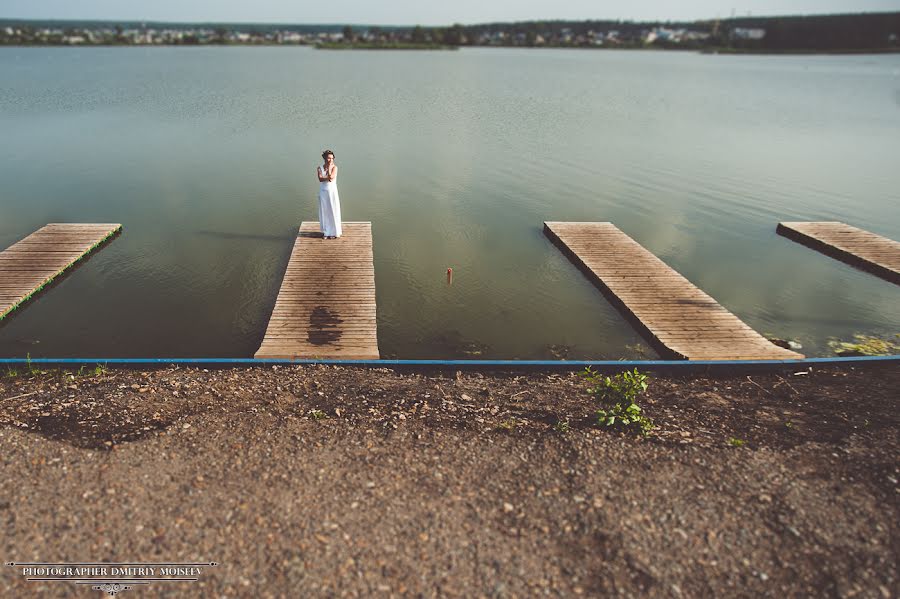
(329, 208)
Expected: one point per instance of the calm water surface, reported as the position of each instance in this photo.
(207, 157)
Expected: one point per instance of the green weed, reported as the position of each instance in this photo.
(617, 396)
(29, 366)
(317, 415)
(507, 425)
(736, 442)
(866, 345)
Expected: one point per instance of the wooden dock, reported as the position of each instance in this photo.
(29, 265)
(862, 249)
(326, 306)
(678, 319)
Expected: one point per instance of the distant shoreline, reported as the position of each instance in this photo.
(401, 46)
(382, 46)
(835, 33)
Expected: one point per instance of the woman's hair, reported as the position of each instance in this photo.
(326, 153)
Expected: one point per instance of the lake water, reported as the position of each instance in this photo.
(207, 157)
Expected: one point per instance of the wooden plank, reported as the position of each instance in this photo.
(30, 264)
(857, 247)
(326, 305)
(679, 319)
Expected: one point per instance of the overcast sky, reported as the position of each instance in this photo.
(424, 12)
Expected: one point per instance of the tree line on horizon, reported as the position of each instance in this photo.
(864, 31)
(817, 32)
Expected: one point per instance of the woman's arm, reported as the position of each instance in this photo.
(332, 174)
(320, 173)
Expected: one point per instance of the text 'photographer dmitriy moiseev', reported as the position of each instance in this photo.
(111, 578)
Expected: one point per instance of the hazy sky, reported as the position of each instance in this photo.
(409, 12)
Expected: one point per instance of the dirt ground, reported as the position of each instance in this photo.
(337, 481)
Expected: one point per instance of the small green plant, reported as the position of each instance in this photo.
(12, 372)
(317, 415)
(618, 399)
(562, 426)
(30, 366)
(789, 424)
(866, 345)
(507, 425)
(99, 369)
(736, 442)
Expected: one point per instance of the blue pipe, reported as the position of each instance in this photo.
(565, 364)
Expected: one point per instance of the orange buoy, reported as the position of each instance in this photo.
(449, 276)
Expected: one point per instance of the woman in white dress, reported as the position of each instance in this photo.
(329, 202)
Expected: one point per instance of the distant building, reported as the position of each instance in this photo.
(669, 35)
(291, 37)
(745, 33)
(696, 35)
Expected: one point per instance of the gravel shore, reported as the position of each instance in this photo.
(337, 481)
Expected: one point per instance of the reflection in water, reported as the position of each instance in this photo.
(456, 159)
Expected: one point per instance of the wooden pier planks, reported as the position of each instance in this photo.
(27, 266)
(678, 317)
(868, 251)
(326, 305)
